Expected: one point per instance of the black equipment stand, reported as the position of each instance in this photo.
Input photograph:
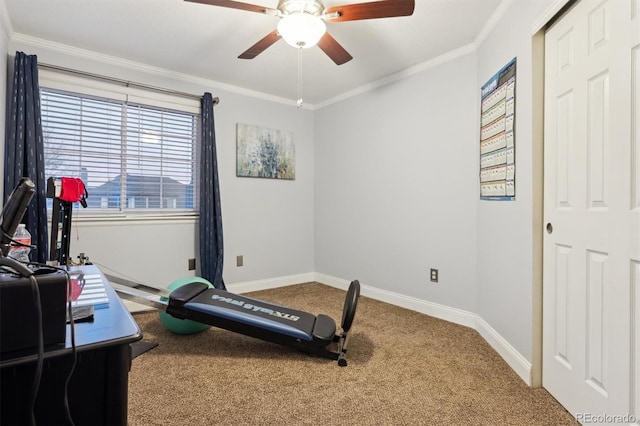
(60, 222)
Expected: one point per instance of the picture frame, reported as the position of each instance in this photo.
(263, 152)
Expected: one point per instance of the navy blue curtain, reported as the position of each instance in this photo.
(24, 149)
(211, 247)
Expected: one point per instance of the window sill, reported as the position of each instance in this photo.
(87, 219)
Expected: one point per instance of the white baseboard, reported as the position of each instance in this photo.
(135, 308)
(516, 361)
(247, 286)
(333, 281)
(436, 310)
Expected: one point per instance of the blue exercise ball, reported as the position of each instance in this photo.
(183, 326)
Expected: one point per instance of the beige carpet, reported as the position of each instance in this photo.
(405, 368)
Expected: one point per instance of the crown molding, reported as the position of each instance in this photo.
(449, 56)
(548, 14)
(407, 72)
(496, 16)
(149, 69)
(137, 66)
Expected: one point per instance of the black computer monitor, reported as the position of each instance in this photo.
(13, 211)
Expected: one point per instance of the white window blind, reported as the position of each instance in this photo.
(132, 157)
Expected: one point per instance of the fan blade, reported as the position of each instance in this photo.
(237, 5)
(370, 10)
(334, 50)
(260, 46)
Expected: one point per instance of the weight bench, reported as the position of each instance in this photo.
(301, 330)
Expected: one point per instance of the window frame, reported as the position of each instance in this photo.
(128, 94)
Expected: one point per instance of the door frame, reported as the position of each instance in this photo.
(555, 12)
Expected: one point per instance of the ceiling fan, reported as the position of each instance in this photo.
(302, 22)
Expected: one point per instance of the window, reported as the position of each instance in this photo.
(133, 157)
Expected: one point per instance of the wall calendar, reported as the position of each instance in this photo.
(497, 136)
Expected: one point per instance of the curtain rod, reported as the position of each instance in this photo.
(216, 100)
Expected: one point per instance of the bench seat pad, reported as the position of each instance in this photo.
(254, 312)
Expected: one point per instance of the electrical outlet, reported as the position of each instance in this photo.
(434, 275)
(192, 264)
(239, 260)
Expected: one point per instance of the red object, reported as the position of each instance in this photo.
(76, 288)
(72, 189)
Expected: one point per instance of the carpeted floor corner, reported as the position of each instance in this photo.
(405, 368)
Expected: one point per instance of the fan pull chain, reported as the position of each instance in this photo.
(299, 101)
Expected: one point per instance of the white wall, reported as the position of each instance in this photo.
(270, 222)
(396, 185)
(505, 231)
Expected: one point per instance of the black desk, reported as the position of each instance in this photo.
(98, 389)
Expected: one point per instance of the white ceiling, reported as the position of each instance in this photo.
(204, 41)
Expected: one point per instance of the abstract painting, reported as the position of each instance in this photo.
(263, 152)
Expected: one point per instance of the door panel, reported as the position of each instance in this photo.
(591, 301)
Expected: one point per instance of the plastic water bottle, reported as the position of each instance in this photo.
(23, 236)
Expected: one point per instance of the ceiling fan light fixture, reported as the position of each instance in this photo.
(301, 29)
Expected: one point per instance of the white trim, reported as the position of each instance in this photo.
(512, 357)
(332, 281)
(446, 57)
(138, 66)
(135, 308)
(112, 60)
(115, 90)
(84, 218)
(457, 316)
(246, 286)
(548, 14)
(516, 361)
(492, 22)
(415, 69)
